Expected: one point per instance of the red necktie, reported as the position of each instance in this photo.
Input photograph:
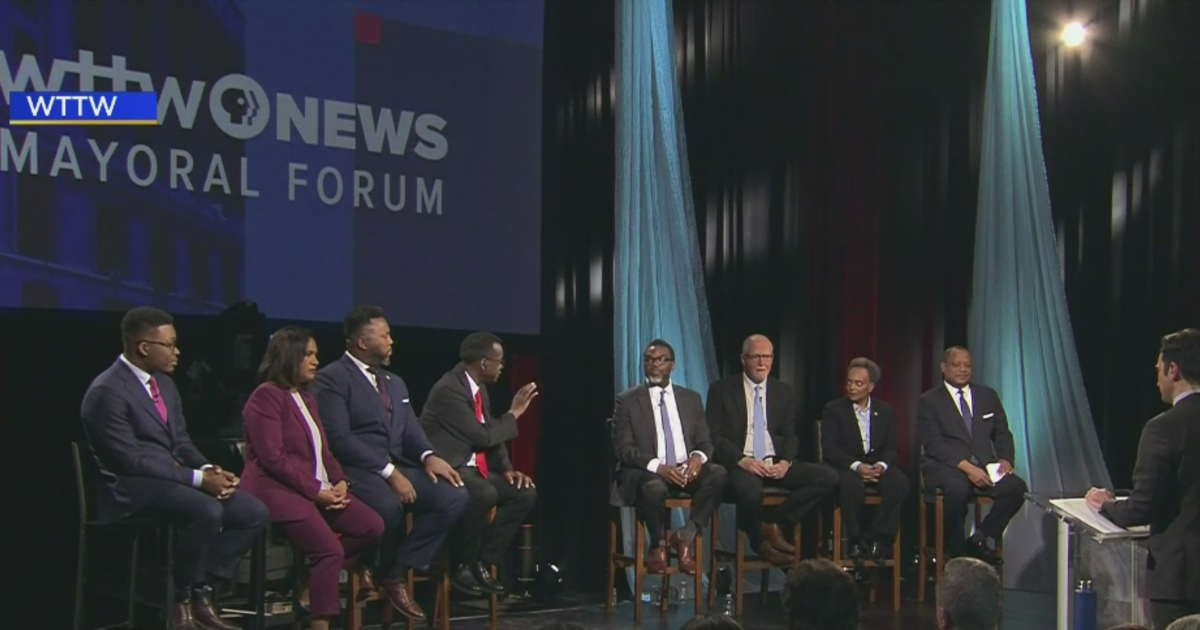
(480, 457)
(158, 401)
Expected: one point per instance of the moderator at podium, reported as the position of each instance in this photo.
(1166, 485)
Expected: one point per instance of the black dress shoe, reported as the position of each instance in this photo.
(979, 549)
(464, 582)
(483, 577)
(878, 551)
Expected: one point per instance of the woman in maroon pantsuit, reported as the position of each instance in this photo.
(289, 468)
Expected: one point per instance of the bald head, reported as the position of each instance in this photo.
(758, 356)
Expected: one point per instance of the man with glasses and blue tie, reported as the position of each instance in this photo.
(752, 418)
(966, 441)
(662, 447)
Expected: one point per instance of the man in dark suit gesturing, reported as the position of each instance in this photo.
(133, 422)
(1166, 484)
(963, 429)
(378, 440)
(458, 418)
(662, 446)
(858, 438)
(752, 421)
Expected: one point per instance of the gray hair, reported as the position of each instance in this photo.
(872, 368)
(969, 593)
(751, 339)
(1190, 622)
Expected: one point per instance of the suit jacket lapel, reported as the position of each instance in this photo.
(951, 405)
(298, 416)
(465, 381)
(854, 429)
(878, 428)
(138, 391)
(683, 426)
(364, 385)
(739, 406)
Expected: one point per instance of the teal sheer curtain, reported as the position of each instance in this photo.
(1019, 329)
(658, 278)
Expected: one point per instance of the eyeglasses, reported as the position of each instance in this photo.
(169, 345)
(758, 357)
(494, 360)
(657, 360)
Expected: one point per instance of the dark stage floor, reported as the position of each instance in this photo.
(1023, 611)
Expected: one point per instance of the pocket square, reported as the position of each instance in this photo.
(405, 401)
(988, 415)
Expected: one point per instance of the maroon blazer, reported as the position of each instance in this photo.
(280, 462)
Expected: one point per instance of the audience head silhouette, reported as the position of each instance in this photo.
(821, 596)
(968, 596)
(1190, 622)
(712, 622)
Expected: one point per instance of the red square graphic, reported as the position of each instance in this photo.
(368, 28)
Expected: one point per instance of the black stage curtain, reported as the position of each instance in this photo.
(834, 149)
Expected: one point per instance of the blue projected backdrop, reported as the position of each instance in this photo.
(310, 156)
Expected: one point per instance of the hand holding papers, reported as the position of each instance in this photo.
(995, 473)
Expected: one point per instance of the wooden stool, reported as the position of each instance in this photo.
(772, 497)
(872, 498)
(441, 604)
(935, 497)
(638, 560)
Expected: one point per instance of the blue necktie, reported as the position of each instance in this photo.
(668, 435)
(760, 425)
(967, 419)
(966, 411)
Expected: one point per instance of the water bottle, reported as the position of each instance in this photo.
(1085, 606)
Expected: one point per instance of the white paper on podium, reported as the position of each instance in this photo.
(1079, 510)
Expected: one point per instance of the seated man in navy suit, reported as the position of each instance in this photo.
(391, 465)
(963, 429)
(133, 422)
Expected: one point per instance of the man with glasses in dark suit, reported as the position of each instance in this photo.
(662, 445)
(133, 423)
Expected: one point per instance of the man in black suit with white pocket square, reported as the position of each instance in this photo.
(963, 430)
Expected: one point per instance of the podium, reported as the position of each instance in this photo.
(1087, 540)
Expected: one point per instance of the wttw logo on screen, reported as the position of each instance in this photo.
(83, 108)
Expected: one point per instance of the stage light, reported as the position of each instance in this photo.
(1074, 34)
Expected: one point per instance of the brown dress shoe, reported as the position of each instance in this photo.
(768, 552)
(771, 534)
(181, 617)
(397, 593)
(205, 614)
(687, 554)
(366, 584)
(656, 561)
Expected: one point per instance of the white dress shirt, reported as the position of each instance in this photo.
(366, 371)
(144, 378)
(864, 430)
(748, 388)
(676, 428)
(1182, 396)
(321, 474)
